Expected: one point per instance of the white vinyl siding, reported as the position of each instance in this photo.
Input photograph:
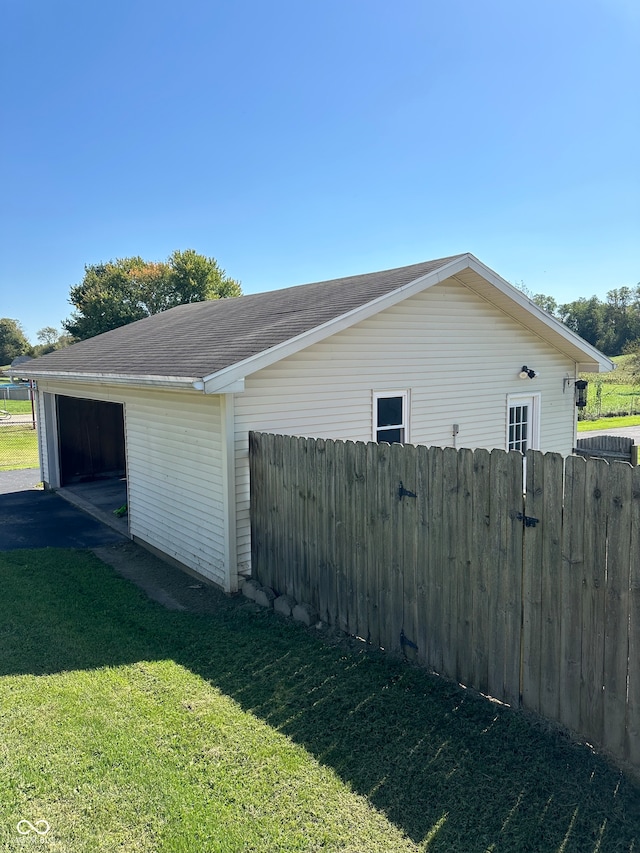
(458, 355)
(174, 473)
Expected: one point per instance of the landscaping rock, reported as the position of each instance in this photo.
(305, 613)
(250, 588)
(265, 596)
(284, 604)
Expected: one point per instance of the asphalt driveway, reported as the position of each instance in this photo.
(32, 518)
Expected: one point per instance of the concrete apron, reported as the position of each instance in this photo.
(99, 499)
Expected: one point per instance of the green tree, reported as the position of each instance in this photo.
(13, 341)
(584, 317)
(547, 303)
(118, 292)
(47, 335)
(50, 340)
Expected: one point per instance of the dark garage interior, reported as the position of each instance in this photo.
(91, 437)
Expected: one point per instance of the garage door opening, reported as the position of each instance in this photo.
(91, 440)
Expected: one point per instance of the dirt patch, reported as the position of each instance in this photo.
(162, 582)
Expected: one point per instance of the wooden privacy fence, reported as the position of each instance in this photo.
(610, 447)
(531, 598)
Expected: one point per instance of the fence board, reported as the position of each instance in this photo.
(632, 750)
(396, 568)
(434, 577)
(465, 568)
(329, 476)
(371, 524)
(386, 496)
(308, 482)
(551, 602)
(271, 496)
(593, 600)
(422, 553)
(617, 606)
(513, 577)
(360, 532)
(340, 536)
(532, 626)
(496, 581)
(449, 560)
(408, 546)
(571, 596)
(481, 495)
(257, 502)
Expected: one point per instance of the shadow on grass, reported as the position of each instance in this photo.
(444, 766)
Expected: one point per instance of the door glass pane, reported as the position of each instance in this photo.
(518, 428)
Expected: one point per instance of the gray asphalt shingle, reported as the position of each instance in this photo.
(202, 338)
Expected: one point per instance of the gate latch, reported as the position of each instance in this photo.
(528, 520)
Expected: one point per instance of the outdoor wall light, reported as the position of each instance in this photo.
(527, 373)
(581, 393)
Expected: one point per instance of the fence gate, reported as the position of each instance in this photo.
(611, 447)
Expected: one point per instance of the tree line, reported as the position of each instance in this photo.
(612, 325)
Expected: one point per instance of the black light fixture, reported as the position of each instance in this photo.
(527, 373)
(581, 393)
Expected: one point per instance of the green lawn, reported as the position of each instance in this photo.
(616, 393)
(16, 407)
(131, 728)
(609, 423)
(18, 446)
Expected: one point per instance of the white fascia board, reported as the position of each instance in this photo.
(604, 364)
(216, 381)
(175, 382)
(236, 387)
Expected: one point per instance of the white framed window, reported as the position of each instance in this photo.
(523, 422)
(391, 416)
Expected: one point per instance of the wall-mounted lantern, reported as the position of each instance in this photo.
(581, 393)
(527, 373)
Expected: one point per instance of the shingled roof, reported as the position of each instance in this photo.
(202, 338)
(211, 345)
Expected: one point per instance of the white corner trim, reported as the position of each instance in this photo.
(227, 411)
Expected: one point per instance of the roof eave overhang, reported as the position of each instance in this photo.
(132, 380)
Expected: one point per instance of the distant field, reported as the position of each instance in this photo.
(613, 394)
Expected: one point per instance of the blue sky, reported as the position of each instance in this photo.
(300, 141)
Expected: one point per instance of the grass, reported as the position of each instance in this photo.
(18, 447)
(16, 407)
(130, 728)
(614, 394)
(609, 423)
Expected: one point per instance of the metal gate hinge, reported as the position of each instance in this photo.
(528, 520)
(405, 493)
(405, 641)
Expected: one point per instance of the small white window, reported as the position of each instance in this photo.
(523, 422)
(391, 416)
